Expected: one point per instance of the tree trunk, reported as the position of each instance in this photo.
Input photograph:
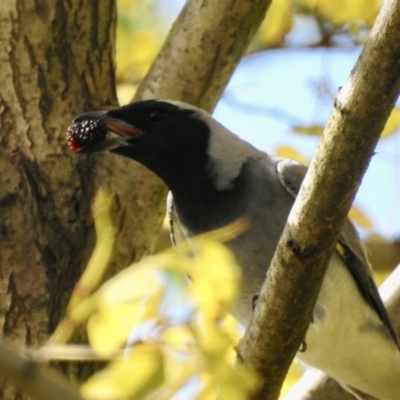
(56, 60)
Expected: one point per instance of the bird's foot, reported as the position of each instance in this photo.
(254, 301)
(303, 347)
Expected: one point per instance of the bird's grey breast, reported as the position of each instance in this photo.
(267, 207)
(258, 196)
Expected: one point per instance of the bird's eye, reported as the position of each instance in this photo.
(156, 116)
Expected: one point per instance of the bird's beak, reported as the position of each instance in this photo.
(106, 145)
(121, 128)
(127, 134)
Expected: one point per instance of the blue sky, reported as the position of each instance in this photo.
(274, 90)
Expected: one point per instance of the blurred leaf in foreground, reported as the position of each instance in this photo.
(175, 330)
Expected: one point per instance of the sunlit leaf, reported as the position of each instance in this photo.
(179, 369)
(136, 51)
(345, 11)
(94, 271)
(209, 392)
(310, 4)
(214, 344)
(135, 283)
(234, 331)
(109, 328)
(81, 304)
(130, 308)
(132, 377)
(360, 218)
(393, 123)
(214, 268)
(178, 337)
(314, 130)
(277, 22)
(380, 276)
(228, 383)
(237, 385)
(292, 377)
(289, 152)
(227, 232)
(140, 33)
(125, 93)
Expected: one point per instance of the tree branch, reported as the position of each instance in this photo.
(202, 50)
(33, 379)
(293, 281)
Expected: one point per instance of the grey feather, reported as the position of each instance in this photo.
(291, 174)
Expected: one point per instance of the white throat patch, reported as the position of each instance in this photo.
(226, 151)
(227, 154)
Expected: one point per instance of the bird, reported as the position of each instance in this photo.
(214, 178)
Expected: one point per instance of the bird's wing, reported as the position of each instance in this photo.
(291, 174)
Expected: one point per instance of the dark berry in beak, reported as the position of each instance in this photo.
(85, 133)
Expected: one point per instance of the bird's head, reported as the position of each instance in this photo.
(175, 140)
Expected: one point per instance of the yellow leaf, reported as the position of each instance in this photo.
(135, 283)
(214, 268)
(277, 22)
(208, 393)
(132, 377)
(232, 391)
(132, 65)
(293, 375)
(81, 304)
(392, 124)
(380, 276)
(234, 331)
(232, 383)
(227, 232)
(342, 12)
(129, 298)
(109, 328)
(94, 271)
(288, 152)
(125, 93)
(213, 344)
(360, 218)
(316, 130)
(310, 4)
(178, 370)
(178, 337)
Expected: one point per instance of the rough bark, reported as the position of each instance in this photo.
(293, 281)
(54, 63)
(314, 386)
